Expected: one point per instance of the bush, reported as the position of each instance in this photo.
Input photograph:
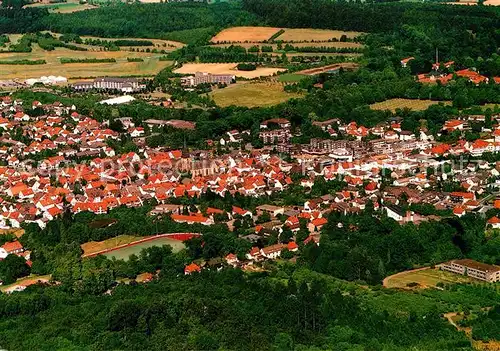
(246, 67)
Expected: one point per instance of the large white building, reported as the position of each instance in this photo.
(473, 269)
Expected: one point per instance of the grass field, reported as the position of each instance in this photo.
(416, 105)
(290, 77)
(95, 246)
(242, 34)
(252, 94)
(124, 253)
(314, 34)
(121, 67)
(226, 68)
(424, 278)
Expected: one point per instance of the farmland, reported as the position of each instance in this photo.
(291, 35)
(252, 94)
(121, 67)
(64, 7)
(226, 68)
(425, 278)
(328, 44)
(242, 34)
(416, 105)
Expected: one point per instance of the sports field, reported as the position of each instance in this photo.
(252, 94)
(426, 278)
(96, 246)
(124, 253)
(242, 34)
(150, 66)
(226, 68)
(416, 105)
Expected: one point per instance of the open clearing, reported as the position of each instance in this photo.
(26, 281)
(328, 44)
(121, 67)
(226, 68)
(260, 34)
(124, 253)
(314, 34)
(416, 105)
(424, 278)
(242, 34)
(252, 94)
(96, 246)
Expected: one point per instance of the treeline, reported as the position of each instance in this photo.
(135, 59)
(86, 60)
(23, 62)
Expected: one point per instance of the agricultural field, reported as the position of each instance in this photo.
(226, 68)
(328, 44)
(121, 67)
(422, 279)
(252, 94)
(63, 7)
(124, 253)
(314, 35)
(96, 246)
(160, 44)
(242, 34)
(416, 105)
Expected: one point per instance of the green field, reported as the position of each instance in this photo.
(250, 94)
(290, 77)
(124, 253)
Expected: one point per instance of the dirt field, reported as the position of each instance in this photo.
(95, 246)
(122, 67)
(32, 279)
(425, 278)
(252, 94)
(226, 68)
(323, 69)
(242, 34)
(314, 34)
(416, 105)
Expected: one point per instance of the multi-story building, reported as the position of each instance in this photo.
(207, 78)
(473, 269)
(126, 85)
(275, 136)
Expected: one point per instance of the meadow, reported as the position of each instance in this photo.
(150, 66)
(252, 94)
(415, 105)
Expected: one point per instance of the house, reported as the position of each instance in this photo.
(395, 212)
(494, 222)
(13, 247)
(192, 219)
(191, 268)
(273, 211)
(241, 212)
(231, 259)
(474, 269)
(404, 62)
(316, 224)
(272, 252)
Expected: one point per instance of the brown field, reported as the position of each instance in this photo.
(323, 69)
(226, 68)
(241, 34)
(416, 105)
(252, 94)
(425, 278)
(314, 34)
(95, 246)
(31, 279)
(332, 44)
(122, 67)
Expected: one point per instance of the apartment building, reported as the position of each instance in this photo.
(473, 269)
(207, 78)
(126, 85)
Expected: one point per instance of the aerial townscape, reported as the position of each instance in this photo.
(283, 175)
